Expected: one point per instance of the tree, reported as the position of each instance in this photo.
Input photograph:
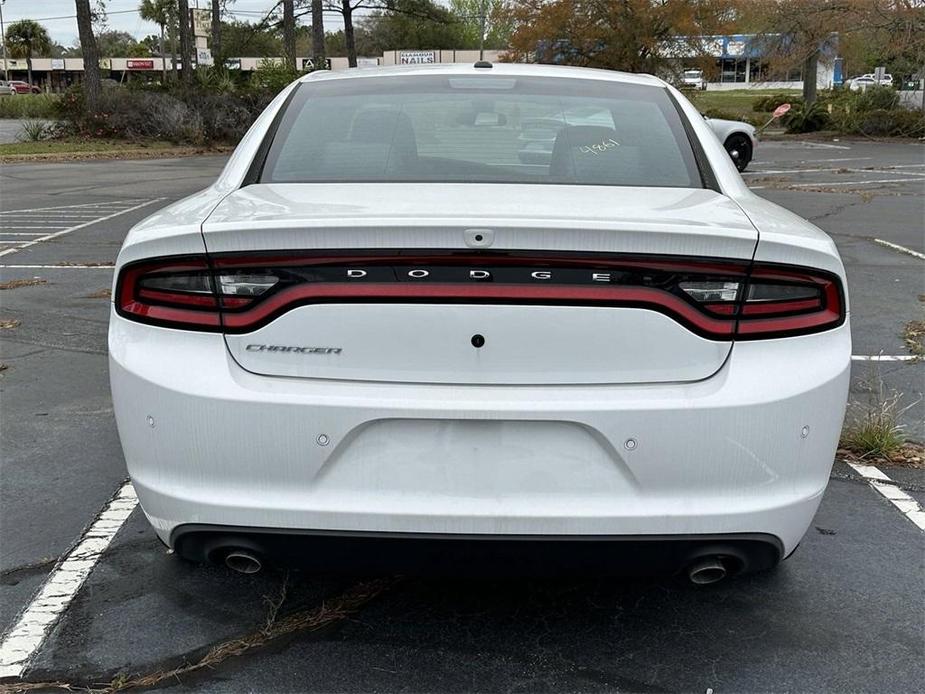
(217, 32)
(476, 16)
(92, 86)
(289, 34)
(243, 38)
(800, 33)
(25, 38)
(117, 43)
(318, 52)
(162, 13)
(186, 42)
(416, 24)
(423, 10)
(631, 35)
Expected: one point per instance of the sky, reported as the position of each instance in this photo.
(58, 16)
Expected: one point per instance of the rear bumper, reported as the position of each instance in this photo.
(748, 450)
(475, 554)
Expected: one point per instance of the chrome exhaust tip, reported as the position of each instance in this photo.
(707, 571)
(243, 562)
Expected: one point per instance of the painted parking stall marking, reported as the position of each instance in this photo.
(22, 642)
(888, 489)
(20, 229)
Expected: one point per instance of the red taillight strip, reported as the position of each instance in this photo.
(718, 321)
(339, 292)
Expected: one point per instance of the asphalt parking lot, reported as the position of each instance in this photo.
(845, 613)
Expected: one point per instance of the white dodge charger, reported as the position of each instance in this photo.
(382, 330)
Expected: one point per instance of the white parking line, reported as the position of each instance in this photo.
(884, 357)
(73, 266)
(901, 249)
(120, 203)
(851, 183)
(877, 479)
(22, 642)
(68, 230)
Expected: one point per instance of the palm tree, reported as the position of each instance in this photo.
(26, 37)
(161, 12)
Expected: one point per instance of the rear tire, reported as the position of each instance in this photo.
(740, 150)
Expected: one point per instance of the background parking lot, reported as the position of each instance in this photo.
(845, 613)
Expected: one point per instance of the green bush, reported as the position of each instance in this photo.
(875, 99)
(766, 104)
(29, 106)
(181, 115)
(801, 119)
(896, 123)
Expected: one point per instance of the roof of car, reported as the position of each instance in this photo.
(509, 69)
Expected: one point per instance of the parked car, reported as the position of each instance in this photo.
(739, 139)
(21, 87)
(6, 89)
(862, 82)
(379, 330)
(693, 79)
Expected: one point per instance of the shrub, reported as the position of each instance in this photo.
(766, 104)
(35, 130)
(899, 123)
(875, 99)
(273, 76)
(181, 115)
(222, 117)
(801, 119)
(29, 106)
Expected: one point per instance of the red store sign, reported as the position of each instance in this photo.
(139, 64)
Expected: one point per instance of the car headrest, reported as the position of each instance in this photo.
(582, 150)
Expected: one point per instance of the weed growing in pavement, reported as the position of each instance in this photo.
(873, 428)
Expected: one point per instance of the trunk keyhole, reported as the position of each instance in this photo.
(478, 341)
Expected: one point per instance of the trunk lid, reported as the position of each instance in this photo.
(512, 329)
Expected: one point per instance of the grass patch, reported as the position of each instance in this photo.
(68, 149)
(16, 284)
(734, 101)
(67, 146)
(29, 106)
(914, 338)
(101, 294)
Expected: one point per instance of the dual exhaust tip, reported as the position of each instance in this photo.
(702, 572)
(243, 561)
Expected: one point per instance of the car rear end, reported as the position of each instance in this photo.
(396, 331)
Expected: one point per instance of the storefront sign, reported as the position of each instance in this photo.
(139, 64)
(417, 57)
(202, 22)
(308, 64)
(57, 63)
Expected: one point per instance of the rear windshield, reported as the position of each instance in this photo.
(481, 129)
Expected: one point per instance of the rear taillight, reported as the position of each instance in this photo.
(718, 299)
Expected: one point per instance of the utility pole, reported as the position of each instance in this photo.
(6, 68)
